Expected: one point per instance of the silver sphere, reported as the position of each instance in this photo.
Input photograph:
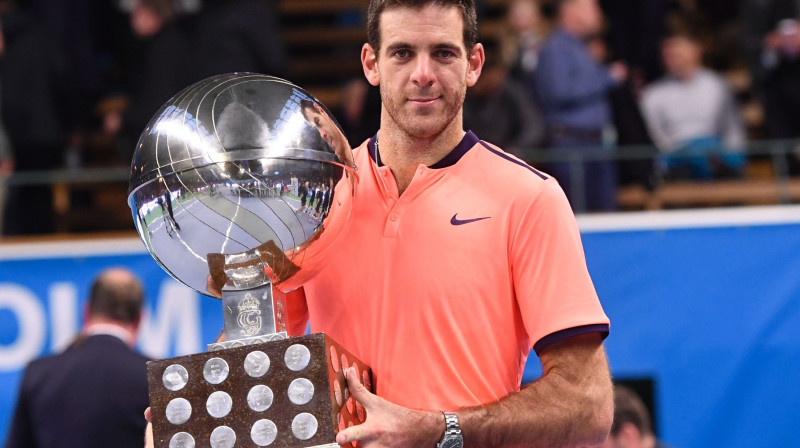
(217, 179)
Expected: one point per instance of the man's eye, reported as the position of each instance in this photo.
(401, 53)
(445, 54)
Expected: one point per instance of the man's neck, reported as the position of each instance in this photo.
(403, 153)
(571, 28)
(689, 73)
(112, 328)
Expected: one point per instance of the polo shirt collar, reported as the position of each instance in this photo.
(466, 143)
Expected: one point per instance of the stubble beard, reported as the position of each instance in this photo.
(422, 126)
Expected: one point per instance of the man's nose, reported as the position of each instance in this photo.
(423, 74)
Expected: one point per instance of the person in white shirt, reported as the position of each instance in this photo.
(692, 115)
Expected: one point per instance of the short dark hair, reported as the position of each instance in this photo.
(117, 295)
(306, 104)
(629, 408)
(469, 15)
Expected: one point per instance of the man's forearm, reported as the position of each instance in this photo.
(570, 406)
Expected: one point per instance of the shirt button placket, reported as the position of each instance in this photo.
(392, 224)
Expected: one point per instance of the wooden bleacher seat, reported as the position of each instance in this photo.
(710, 194)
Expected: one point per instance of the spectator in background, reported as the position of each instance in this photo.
(500, 110)
(634, 166)
(31, 109)
(692, 115)
(632, 427)
(573, 88)
(522, 42)
(771, 31)
(94, 393)
(164, 69)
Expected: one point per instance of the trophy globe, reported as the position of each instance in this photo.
(238, 167)
(239, 181)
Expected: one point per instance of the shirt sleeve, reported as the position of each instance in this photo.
(554, 291)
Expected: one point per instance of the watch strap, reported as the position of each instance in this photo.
(452, 428)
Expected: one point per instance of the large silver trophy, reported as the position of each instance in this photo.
(239, 186)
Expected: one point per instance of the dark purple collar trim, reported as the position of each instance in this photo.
(373, 154)
(469, 140)
(458, 152)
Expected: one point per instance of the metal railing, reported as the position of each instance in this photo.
(774, 153)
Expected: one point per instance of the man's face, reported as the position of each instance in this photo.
(681, 56)
(423, 68)
(588, 14)
(327, 128)
(329, 132)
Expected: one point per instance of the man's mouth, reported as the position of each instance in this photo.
(423, 101)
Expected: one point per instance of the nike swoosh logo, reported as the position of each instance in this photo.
(460, 222)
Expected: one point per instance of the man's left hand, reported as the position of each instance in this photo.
(389, 424)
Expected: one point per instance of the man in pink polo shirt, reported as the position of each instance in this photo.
(458, 259)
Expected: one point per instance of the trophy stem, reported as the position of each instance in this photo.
(253, 314)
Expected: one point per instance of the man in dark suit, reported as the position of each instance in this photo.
(94, 393)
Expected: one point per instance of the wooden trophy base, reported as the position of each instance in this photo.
(284, 393)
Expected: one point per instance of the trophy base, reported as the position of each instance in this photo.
(283, 393)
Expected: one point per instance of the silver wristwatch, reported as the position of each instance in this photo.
(452, 432)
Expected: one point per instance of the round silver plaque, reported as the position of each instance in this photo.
(181, 440)
(301, 391)
(256, 364)
(178, 411)
(215, 371)
(304, 426)
(236, 343)
(297, 357)
(222, 437)
(175, 377)
(264, 432)
(219, 404)
(259, 398)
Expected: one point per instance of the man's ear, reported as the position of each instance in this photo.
(475, 64)
(369, 62)
(629, 435)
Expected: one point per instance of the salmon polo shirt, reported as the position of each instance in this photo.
(444, 290)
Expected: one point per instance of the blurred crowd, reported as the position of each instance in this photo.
(669, 75)
(77, 71)
(566, 81)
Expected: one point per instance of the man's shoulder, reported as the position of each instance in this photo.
(659, 87)
(501, 168)
(556, 41)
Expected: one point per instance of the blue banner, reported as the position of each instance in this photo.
(43, 293)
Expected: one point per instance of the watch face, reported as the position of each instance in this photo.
(452, 442)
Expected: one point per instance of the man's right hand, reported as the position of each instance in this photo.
(618, 72)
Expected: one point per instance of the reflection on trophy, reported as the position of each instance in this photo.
(214, 194)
